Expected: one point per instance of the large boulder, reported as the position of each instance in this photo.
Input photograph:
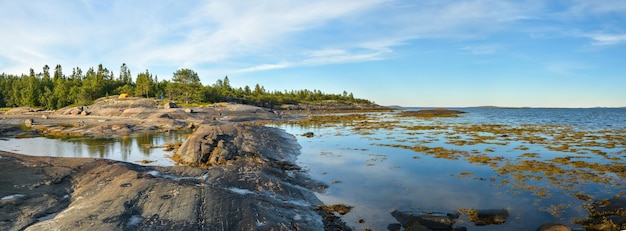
(220, 144)
(169, 105)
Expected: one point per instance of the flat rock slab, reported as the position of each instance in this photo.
(257, 193)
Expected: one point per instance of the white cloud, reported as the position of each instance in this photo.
(607, 39)
(480, 49)
(343, 57)
(252, 36)
(584, 8)
(566, 67)
(264, 67)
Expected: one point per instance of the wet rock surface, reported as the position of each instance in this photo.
(490, 216)
(553, 227)
(417, 220)
(413, 220)
(607, 214)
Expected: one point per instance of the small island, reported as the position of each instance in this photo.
(438, 112)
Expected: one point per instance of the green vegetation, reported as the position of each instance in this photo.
(56, 90)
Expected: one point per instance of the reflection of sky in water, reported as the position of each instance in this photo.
(378, 179)
(131, 149)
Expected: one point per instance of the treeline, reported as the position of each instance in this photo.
(53, 89)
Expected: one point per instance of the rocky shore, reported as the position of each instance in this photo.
(233, 175)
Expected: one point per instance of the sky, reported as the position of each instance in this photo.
(429, 53)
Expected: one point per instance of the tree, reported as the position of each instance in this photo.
(144, 83)
(46, 98)
(58, 72)
(186, 83)
(125, 78)
(30, 90)
(55, 90)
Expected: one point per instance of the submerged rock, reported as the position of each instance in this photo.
(490, 216)
(608, 214)
(411, 220)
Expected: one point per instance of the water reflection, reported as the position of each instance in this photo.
(135, 148)
(542, 168)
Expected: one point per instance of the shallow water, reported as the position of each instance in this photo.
(374, 167)
(135, 148)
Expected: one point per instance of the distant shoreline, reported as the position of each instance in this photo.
(505, 107)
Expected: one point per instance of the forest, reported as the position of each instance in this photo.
(53, 89)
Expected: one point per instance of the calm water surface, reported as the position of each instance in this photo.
(135, 148)
(368, 167)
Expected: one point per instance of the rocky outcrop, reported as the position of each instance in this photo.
(102, 118)
(249, 182)
(220, 144)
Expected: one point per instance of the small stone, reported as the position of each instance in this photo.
(188, 110)
(29, 122)
(553, 227)
(44, 117)
(308, 134)
(84, 113)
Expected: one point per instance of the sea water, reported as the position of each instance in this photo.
(372, 164)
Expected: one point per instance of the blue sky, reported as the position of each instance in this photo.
(432, 53)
